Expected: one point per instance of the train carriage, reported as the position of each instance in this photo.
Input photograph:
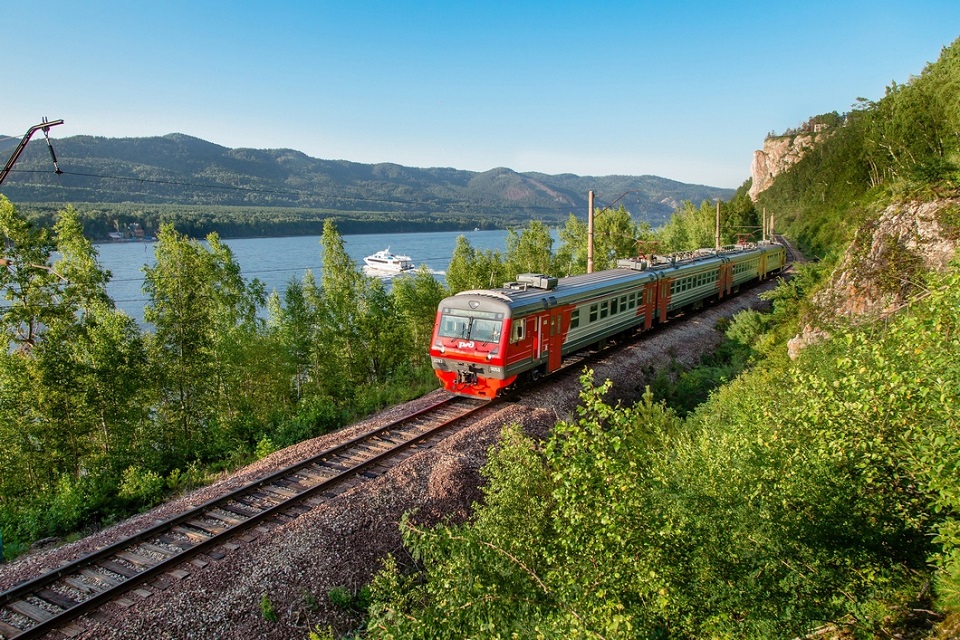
(483, 340)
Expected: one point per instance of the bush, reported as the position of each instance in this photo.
(143, 487)
(264, 448)
(181, 481)
(315, 416)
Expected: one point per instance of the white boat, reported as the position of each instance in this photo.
(390, 262)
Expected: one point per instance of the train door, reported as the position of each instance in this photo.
(663, 300)
(533, 330)
(649, 303)
(543, 336)
(555, 340)
(725, 278)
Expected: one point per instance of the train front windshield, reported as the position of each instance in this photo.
(457, 324)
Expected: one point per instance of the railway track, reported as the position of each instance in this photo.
(792, 254)
(53, 600)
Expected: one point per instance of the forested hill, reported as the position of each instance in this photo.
(180, 170)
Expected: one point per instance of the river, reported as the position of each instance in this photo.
(274, 261)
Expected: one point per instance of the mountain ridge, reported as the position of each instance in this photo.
(180, 169)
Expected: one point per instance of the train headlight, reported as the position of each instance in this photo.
(439, 347)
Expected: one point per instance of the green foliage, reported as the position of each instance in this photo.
(314, 417)
(98, 419)
(141, 486)
(322, 634)
(801, 492)
(416, 300)
(552, 551)
(474, 269)
(182, 481)
(696, 227)
(340, 597)
(264, 448)
(267, 609)
(749, 335)
(356, 600)
(747, 327)
(615, 236)
(530, 251)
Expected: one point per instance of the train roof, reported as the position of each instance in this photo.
(537, 291)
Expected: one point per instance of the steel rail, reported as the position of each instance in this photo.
(32, 587)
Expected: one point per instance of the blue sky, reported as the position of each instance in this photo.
(685, 89)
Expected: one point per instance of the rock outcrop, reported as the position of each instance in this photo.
(882, 268)
(778, 154)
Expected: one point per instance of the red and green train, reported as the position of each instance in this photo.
(485, 340)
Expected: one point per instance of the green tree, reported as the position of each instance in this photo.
(690, 228)
(571, 256)
(70, 378)
(291, 326)
(182, 344)
(94, 356)
(204, 319)
(417, 298)
(473, 269)
(530, 251)
(358, 329)
(29, 283)
(615, 236)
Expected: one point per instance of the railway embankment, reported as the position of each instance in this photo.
(291, 565)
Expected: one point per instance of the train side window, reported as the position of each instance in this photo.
(623, 303)
(575, 319)
(517, 331)
(631, 301)
(593, 313)
(604, 309)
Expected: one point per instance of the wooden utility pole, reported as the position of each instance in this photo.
(717, 235)
(590, 232)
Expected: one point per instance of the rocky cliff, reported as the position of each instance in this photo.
(777, 155)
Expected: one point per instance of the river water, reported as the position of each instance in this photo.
(274, 261)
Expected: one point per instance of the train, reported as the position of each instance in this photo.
(486, 340)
